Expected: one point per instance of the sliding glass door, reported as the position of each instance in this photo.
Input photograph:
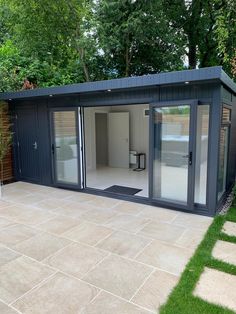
(173, 144)
(65, 141)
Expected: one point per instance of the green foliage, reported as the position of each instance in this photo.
(225, 33)
(208, 28)
(14, 68)
(136, 37)
(70, 41)
(5, 132)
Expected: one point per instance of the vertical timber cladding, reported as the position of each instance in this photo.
(7, 174)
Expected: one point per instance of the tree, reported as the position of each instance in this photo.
(202, 23)
(225, 33)
(57, 33)
(136, 38)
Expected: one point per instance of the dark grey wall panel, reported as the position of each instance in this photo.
(214, 138)
(133, 96)
(43, 140)
(232, 147)
(62, 101)
(226, 95)
(189, 91)
(27, 126)
(44, 145)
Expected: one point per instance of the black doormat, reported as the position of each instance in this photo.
(122, 190)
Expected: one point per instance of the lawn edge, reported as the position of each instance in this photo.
(181, 299)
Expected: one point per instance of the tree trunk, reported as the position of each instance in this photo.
(192, 54)
(84, 65)
(127, 62)
(193, 31)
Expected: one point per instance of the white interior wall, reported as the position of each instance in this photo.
(90, 138)
(139, 130)
(139, 127)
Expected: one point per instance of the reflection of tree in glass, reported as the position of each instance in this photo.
(178, 110)
(64, 152)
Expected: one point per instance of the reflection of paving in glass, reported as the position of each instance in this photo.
(67, 163)
(67, 170)
(173, 183)
(104, 177)
(201, 183)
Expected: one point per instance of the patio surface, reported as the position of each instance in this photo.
(69, 252)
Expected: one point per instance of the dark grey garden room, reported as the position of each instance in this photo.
(165, 139)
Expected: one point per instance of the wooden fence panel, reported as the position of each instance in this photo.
(7, 174)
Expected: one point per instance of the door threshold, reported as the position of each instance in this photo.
(133, 198)
(143, 200)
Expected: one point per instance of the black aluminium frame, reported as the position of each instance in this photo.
(229, 107)
(192, 149)
(53, 150)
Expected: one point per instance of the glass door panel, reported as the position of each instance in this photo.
(201, 162)
(65, 147)
(171, 153)
(223, 152)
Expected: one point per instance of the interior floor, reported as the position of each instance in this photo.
(104, 177)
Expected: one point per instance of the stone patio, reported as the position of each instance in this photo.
(69, 252)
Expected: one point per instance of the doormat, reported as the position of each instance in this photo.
(122, 190)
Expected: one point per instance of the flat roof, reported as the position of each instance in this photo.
(177, 77)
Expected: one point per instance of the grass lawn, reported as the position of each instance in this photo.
(181, 300)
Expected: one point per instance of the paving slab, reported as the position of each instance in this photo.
(119, 276)
(155, 291)
(41, 246)
(7, 256)
(229, 228)
(88, 233)
(106, 303)
(60, 294)
(19, 276)
(76, 259)
(191, 238)
(5, 309)
(225, 251)
(123, 243)
(217, 287)
(192, 220)
(162, 231)
(170, 258)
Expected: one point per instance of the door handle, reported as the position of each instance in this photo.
(53, 149)
(190, 158)
(35, 145)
